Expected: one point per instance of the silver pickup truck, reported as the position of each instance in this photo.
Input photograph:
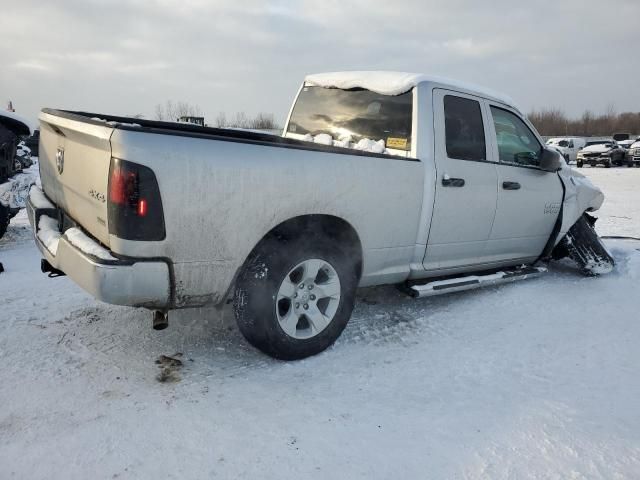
(378, 178)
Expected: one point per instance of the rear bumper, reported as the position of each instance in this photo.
(120, 281)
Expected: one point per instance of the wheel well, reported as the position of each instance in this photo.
(328, 226)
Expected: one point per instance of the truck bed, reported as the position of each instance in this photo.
(223, 190)
(197, 131)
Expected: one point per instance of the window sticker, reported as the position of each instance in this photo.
(398, 143)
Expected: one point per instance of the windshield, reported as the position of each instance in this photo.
(601, 142)
(353, 115)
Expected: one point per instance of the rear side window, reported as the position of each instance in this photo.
(517, 144)
(353, 115)
(464, 130)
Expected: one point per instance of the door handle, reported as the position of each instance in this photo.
(447, 181)
(511, 185)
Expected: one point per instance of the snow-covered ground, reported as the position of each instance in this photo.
(537, 379)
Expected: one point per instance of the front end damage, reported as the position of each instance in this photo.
(577, 238)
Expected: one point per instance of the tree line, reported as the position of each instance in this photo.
(554, 122)
(171, 111)
(548, 122)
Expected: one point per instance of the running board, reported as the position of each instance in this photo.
(469, 282)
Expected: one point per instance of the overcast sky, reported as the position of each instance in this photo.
(124, 57)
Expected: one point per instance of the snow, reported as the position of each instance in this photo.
(38, 199)
(123, 124)
(369, 145)
(535, 379)
(78, 239)
(15, 191)
(364, 144)
(48, 233)
(395, 83)
(115, 124)
(600, 147)
(324, 139)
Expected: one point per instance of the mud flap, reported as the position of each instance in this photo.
(583, 245)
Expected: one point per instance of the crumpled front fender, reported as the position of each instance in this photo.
(580, 196)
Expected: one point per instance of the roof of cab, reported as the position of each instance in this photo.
(395, 83)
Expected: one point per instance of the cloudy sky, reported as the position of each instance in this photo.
(124, 57)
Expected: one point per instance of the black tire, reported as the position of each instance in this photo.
(254, 300)
(5, 216)
(583, 245)
(579, 164)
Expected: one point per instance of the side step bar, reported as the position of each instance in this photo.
(469, 282)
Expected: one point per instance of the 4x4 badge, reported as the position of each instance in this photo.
(60, 160)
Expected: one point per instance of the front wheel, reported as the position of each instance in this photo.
(579, 164)
(293, 300)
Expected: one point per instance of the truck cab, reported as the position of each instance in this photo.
(487, 201)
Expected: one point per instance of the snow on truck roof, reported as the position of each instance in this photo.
(395, 83)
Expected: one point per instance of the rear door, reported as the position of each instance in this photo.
(75, 156)
(466, 185)
(529, 199)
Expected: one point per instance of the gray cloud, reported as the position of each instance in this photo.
(124, 57)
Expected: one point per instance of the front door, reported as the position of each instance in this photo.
(466, 184)
(529, 199)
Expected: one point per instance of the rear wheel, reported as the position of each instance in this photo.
(294, 298)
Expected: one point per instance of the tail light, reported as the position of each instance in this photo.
(134, 204)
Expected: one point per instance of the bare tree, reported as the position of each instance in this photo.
(171, 111)
(262, 121)
(221, 120)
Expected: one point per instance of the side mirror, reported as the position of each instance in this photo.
(550, 160)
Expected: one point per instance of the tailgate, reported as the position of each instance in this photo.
(75, 156)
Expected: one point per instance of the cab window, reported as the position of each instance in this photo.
(464, 129)
(517, 145)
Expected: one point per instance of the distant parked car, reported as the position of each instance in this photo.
(14, 187)
(601, 152)
(567, 146)
(633, 154)
(622, 136)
